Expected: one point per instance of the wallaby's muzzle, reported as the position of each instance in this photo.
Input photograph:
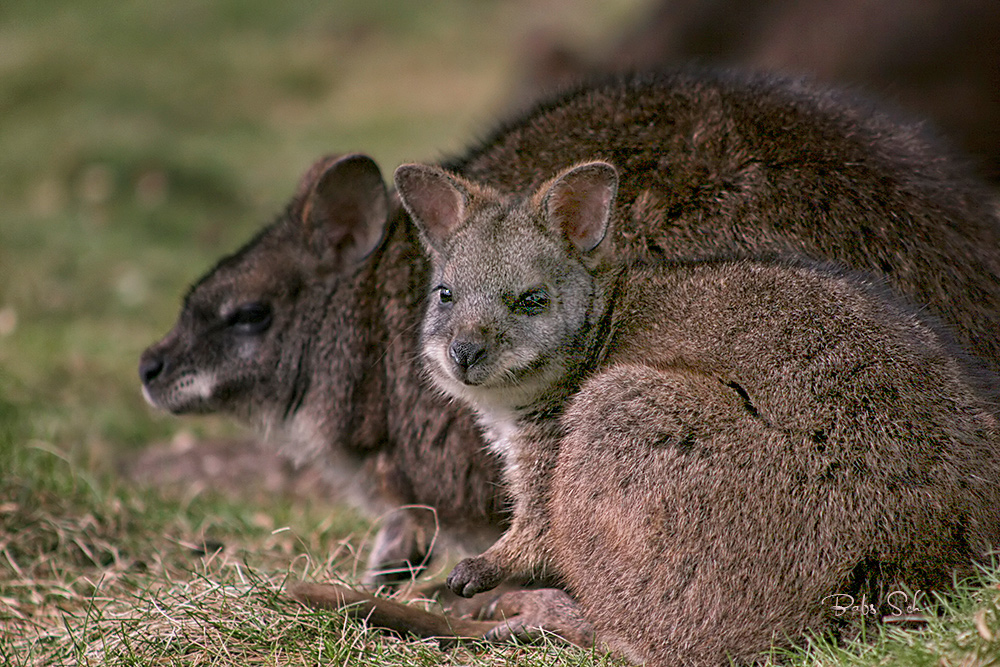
(466, 352)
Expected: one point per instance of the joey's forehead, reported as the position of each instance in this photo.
(501, 250)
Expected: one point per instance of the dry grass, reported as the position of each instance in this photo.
(93, 572)
(187, 607)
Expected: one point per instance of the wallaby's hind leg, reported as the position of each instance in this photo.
(683, 523)
(522, 614)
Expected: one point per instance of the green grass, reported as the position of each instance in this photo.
(140, 141)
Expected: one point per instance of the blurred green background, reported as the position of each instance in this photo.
(141, 140)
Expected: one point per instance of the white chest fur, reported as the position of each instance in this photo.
(500, 427)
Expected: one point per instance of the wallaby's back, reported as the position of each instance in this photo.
(715, 163)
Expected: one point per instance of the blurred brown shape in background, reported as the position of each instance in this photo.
(938, 59)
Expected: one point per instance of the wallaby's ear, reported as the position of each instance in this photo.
(434, 199)
(345, 207)
(579, 203)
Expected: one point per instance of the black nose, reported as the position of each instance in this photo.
(466, 353)
(150, 366)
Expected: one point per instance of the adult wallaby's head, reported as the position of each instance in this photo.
(242, 342)
(514, 286)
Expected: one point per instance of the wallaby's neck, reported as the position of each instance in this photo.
(353, 344)
(293, 418)
(397, 280)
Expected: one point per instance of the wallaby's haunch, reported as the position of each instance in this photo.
(703, 451)
(309, 331)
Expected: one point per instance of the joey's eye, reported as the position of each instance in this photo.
(444, 294)
(251, 318)
(533, 302)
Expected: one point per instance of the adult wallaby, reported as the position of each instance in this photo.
(704, 452)
(933, 57)
(309, 331)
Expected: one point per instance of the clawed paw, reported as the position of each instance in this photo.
(474, 575)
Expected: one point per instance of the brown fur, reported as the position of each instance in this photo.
(711, 163)
(705, 453)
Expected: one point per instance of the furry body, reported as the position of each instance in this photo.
(684, 439)
(709, 164)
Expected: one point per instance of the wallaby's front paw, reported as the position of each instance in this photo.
(474, 575)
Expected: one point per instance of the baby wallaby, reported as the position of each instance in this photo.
(704, 452)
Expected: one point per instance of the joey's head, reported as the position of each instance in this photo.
(243, 340)
(515, 279)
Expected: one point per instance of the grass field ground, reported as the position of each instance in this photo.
(140, 141)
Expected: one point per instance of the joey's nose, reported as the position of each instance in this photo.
(466, 353)
(150, 366)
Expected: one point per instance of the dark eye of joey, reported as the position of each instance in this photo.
(251, 318)
(444, 294)
(533, 302)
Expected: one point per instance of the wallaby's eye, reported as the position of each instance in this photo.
(444, 294)
(253, 317)
(533, 302)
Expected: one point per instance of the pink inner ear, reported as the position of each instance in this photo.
(441, 209)
(581, 204)
(433, 200)
(346, 209)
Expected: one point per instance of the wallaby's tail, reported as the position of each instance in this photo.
(389, 614)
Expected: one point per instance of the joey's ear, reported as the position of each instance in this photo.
(345, 207)
(434, 199)
(579, 203)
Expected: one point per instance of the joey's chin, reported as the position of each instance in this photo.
(468, 378)
(456, 381)
(493, 377)
(486, 382)
(483, 377)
